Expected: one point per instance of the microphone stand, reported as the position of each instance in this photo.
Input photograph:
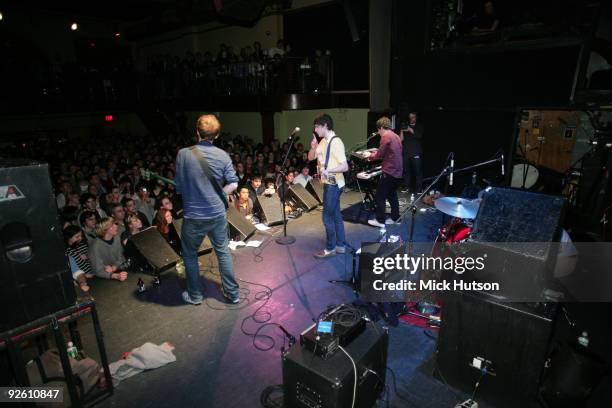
(413, 208)
(285, 239)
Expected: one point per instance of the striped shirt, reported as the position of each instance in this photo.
(82, 262)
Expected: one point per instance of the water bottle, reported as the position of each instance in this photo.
(72, 350)
(583, 340)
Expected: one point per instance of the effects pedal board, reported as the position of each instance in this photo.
(324, 337)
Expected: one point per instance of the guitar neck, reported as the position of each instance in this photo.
(152, 175)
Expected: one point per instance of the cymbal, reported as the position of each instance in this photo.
(458, 207)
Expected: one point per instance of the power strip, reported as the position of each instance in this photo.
(470, 403)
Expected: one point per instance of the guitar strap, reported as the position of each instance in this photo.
(206, 169)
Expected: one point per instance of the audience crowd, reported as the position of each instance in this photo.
(120, 81)
(109, 191)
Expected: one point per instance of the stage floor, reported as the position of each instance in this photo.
(217, 364)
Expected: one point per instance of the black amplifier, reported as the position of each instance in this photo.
(312, 382)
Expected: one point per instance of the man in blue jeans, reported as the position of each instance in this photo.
(331, 163)
(204, 208)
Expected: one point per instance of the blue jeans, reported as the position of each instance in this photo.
(194, 231)
(332, 218)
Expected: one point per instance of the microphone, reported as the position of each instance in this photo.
(452, 168)
(503, 171)
(373, 134)
(293, 132)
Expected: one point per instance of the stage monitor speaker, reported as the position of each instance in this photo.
(35, 278)
(517, 230)
(239, 11)
(205, 246)
(315, 187)
(514, 337)
(302, 197)
(154, 248)
(239, 225)
(309, 381)
(270, 209)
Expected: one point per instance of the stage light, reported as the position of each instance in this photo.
(117, 34)
(108, 118)
(1, 16)
(74, 26)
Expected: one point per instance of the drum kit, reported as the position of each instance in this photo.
(463, 212)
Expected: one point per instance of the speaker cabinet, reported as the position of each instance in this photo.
(154, 248)
(206, 245)
(270, 208)
(239, 226)
(302, 197)
(35, 278)
(514, 337)
(315, 187)
(309, 381)
(517, 231)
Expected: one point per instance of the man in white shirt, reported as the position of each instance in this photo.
(303, 178)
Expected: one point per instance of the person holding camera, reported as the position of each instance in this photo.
(411, 135)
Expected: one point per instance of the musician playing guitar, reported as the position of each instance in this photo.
(331, 162)
(390, 151)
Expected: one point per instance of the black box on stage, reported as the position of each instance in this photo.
(154, 248)
(315, 187)
(35, 278)
(310, 381)
(205, 246)
(239, 226)
(514, 337)
(518, 231)
(270, 208)
(303, 197)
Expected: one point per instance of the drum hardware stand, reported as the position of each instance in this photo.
(413, 209)
(353, 283)
(286, 239)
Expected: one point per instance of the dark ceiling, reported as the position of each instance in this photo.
(117, 10)
(140, 18)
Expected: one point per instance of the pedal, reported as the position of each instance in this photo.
(470, 403)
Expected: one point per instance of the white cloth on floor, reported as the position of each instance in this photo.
(146, 357)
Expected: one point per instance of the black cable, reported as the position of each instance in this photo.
(259, 250)
(477, 384)
(266, 399)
